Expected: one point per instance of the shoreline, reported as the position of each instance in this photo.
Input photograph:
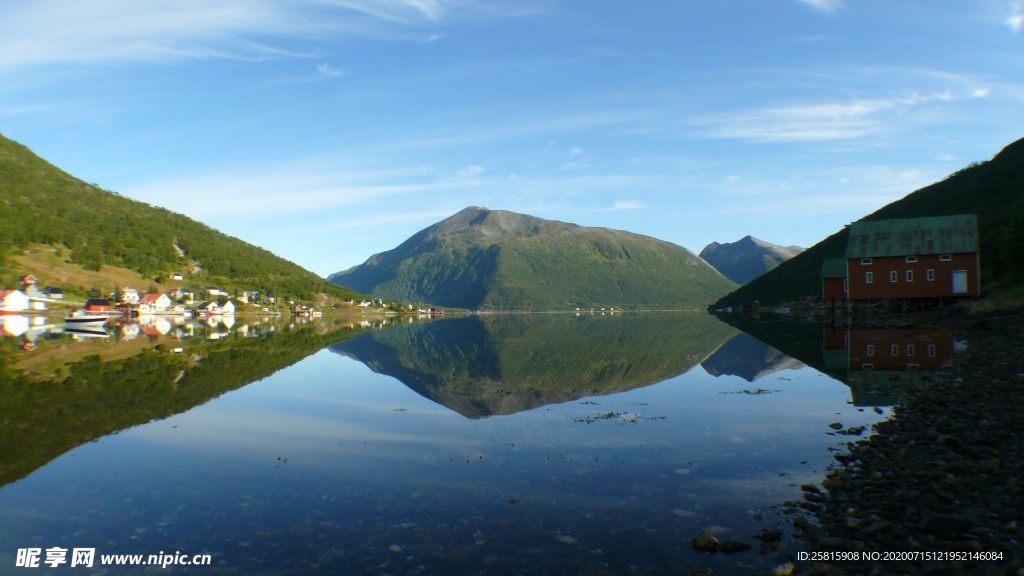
(944, 475)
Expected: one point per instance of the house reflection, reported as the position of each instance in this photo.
(879, 364)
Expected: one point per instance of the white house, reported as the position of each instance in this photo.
(13, 301)
(228, 308)
(130, 296)
(156, 302)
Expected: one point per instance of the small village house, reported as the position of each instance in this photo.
(208, 307)
(176, 276)
(30, 286)
(97, 305)
(917, 258)
(155, 302)
(13, 301)
(129, 296)
(228, 308)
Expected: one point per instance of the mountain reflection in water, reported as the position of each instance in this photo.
(269, 447)
(482, 366)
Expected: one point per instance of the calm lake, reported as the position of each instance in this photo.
(533, 444)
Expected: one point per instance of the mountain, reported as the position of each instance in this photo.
(494, 259)
(747, 258)
(497, 364)
(993, 190)
(92, 227)
(748, 358)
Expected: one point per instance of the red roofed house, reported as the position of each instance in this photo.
(154, 303)
(916, 258)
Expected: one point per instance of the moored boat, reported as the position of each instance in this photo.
(86, 319)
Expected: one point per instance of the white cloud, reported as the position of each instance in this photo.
(577, 159)
(628, 205)
(829, 6)
(816, 122)
(471, 171)
(327, 71)
(1016, 18)
(106, 32)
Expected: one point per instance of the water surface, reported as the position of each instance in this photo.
(544, 444)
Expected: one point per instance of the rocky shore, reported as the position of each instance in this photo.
(944, 476)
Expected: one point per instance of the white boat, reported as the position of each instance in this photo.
(83, 319)
(87, 331)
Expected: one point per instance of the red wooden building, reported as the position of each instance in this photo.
(833, 280)
(917, 258)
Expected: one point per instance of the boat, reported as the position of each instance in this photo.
(82, 319)
(87, 331)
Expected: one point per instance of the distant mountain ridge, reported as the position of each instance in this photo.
(747, 258)
(495, 259)
(993, 190)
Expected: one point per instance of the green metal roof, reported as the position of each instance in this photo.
(833, 268)
(956, 234)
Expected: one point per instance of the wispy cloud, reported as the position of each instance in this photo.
(830, 6)
(628, 205)
(471, 171)
(327, 71)
(305, 187)
(815, 122)
(577, 159)
(104, 32)
(1016, 18)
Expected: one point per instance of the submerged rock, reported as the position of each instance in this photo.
(705, 543)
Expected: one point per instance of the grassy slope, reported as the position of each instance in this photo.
(993, 190)
(43, 205)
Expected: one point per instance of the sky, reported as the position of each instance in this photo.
(330, 130)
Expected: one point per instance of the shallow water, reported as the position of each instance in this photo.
(561, 445)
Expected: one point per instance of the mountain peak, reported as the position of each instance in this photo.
(747, 258)
(482, 258)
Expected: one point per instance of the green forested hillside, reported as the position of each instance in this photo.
(43, 205)
(499, 260)
(993, 190)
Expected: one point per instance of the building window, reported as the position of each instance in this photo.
(910, 275)
(945, 257)
(895, 350)
(913, 367)
(910, 350)
(846, 285)
(931, 350)
(869, 277)
(931, 275)
(868, 366)
(894, 276)
(871, 349)
(911, 259)
(865, 261)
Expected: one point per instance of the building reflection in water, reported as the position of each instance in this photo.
(879, 364)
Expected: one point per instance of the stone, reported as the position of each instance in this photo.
(733, 546)
(705, 543)
(784, 569)
(942, 523)
(836, 426)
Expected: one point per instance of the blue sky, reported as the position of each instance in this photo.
(329, 130)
